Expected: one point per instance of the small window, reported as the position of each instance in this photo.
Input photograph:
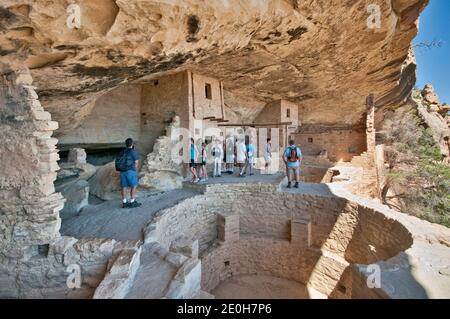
(155, 83)
(352, 150)
(310, 140)
(288, 113)
(197, 131)
(208, 92)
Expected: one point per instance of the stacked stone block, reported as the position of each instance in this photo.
(29, 205)
(301, 232)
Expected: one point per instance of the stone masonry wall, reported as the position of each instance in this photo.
(29, 206)
(339, 144)
(160, 102)
(254, 228)
(193, 219)
(203, 106)
(377, 238)
(262, 256)
(33, 256)
(265, 213)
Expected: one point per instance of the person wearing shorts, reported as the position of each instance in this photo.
(193, 161)
(129, 178)
(292, 157)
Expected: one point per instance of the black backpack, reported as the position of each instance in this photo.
(293, 156)
(124, 162)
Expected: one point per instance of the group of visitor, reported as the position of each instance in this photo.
(241, 155)
(236, 153)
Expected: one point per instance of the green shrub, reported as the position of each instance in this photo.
(425, 179)
(416, 94)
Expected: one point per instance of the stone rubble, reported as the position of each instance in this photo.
(159, 171)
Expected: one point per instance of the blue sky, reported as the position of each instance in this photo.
(433, 65)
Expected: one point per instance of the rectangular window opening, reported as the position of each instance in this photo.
(208, 92)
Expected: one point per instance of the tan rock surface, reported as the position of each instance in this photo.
(105, 183)
(429, 95)
(303, 51)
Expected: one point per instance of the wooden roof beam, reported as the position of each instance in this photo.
(257, 124)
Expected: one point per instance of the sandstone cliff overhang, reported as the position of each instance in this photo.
(320, 55)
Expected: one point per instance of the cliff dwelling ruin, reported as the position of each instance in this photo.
(214, 70)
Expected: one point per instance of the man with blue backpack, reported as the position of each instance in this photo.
(126, 164)
(292, 157)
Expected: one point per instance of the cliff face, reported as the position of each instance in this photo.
(320, 54)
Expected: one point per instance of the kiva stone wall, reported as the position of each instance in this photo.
(262, 256)
(193, 219)
(256, 229)
(266, 213)
(376, 238)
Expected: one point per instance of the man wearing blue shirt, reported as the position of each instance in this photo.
(128, 174)
(292, 157)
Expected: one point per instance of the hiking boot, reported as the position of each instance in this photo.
(126, 205)
(296, 185)
(134, 204)
(289, 185)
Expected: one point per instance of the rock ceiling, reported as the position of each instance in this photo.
(320, 54)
